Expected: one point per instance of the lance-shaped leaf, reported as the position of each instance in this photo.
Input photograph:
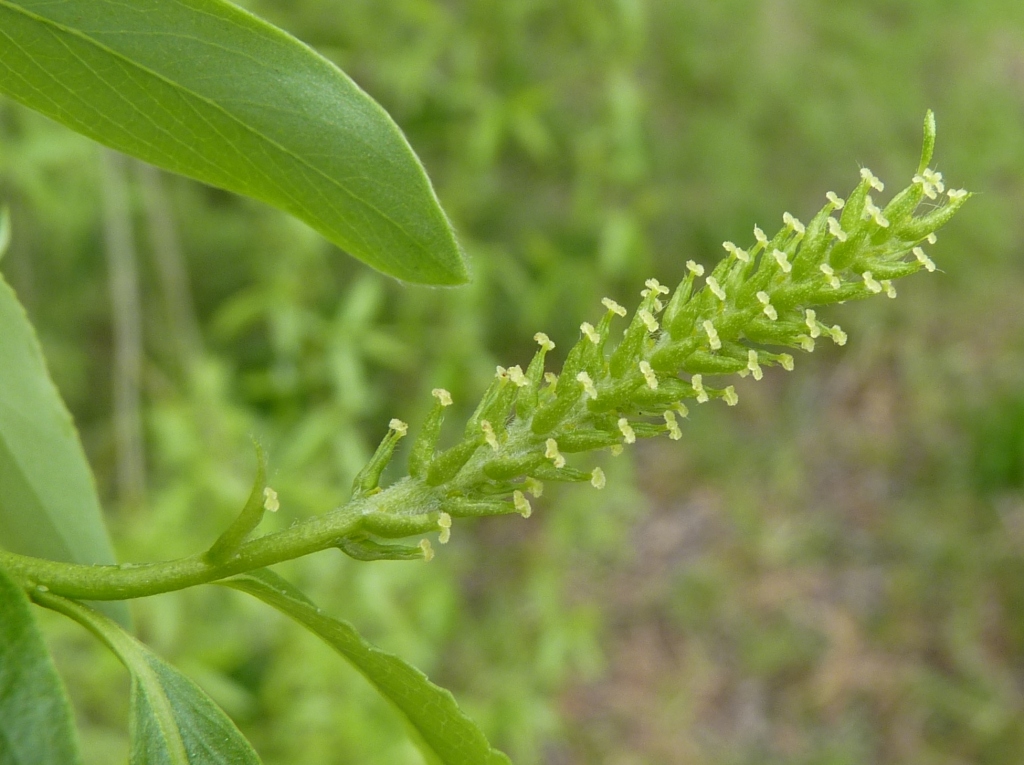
(227, 544)
(48, 502)
(205, 89)
(171, 721)
(448, 735)
(35, 717)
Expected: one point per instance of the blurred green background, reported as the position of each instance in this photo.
(832, 572)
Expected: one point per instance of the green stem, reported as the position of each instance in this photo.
(75, 580)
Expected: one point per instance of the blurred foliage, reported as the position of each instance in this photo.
(832, 572)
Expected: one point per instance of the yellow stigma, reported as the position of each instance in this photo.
(428, 551)
(716, 288)
(924, 260)
(515, 374)
(597, 478)
(544, 341)
(830, 276)
(836, 230)
(672, 426)
(521, 504)
(656, 287)
(766, 301)
(588, 384)
(628, 434)
(783, 260)
(872, 180)
(444, 398)
(870, 283)
(614, 307)
(649, 376)
(714, 342)
(552, 453)
(399, 427)
(648, 319)
(753, 365)
(811, 320)
(741, 255)
(588, 329)
(697, 381)
(872, 211)
(270, 501)
(489, 436)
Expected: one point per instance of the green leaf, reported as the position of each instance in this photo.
(227, 544)
(171, 721)
(35, 717)
(449, 735)
(205, 89)
(48, 502)
(5, 230)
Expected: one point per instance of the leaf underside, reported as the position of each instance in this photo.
(205, 89)
(35, 716)
(444, 729)
(49, 507)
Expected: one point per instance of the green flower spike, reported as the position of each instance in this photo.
(767, 295)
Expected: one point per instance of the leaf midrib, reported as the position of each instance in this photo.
(133, 656)
(162, 710)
